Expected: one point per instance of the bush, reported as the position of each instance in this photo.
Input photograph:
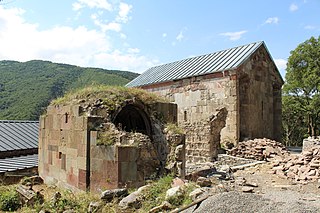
(9, 199)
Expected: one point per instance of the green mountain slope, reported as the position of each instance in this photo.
(27, 88)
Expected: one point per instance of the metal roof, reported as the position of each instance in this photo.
(17, 163)
(195, 66)
(18, 135)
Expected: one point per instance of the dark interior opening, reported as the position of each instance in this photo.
(133, 119)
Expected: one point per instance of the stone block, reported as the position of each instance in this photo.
(127, 154)
(128, 171)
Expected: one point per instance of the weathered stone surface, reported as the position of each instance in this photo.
(199, 193)
(95, 206)
(203, 182)
(301, 168)
(247, 189)
(108, 195)
(259, 149)
(165, 206)
(174, 192)
(133, 199)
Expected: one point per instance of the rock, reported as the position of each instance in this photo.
(252, 184)
(164, 206)
(240, 181)
(108, 195)
(247, 189)
(203, 182)
(95, 206)
(177, 182)
(174, 192)
(133, 199)
(198, 193)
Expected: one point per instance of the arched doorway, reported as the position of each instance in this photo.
(131, 118)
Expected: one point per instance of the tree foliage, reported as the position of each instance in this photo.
(301, 101)
(26, 89)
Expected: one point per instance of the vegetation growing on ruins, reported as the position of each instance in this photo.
(301, 93)
(27, 88)
(111, 96)
(174, 129)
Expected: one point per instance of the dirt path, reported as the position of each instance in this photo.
(273, 194)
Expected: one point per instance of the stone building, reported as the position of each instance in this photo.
(243, 80)
(107, 139)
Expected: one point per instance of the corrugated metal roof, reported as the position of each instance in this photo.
(200, 65)
(17, 163)
(17, 135)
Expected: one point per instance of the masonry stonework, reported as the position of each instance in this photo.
(251, 95)
(74, 149)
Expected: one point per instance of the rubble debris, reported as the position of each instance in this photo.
(134, 199)
(165, 206)
(259, 149)
(108, 195)
(28, 196)
(301, 168)
(247, 189)
(204, 182)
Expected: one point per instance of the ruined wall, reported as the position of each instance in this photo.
(63, 147)
(73, 154)
(198, 99)
(260, 97)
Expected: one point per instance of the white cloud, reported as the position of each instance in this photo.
(282, 65)
(233, 36)
(272, 20)
(180, 36)
(113, 26)
(310, 27)
(124, 10)
(293, 7)
(123, 36)
(99, 4)
(118, 60)
(133, 50)
(23, 41)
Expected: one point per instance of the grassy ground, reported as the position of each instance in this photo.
(153, 196)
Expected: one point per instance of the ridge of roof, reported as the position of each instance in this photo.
(217, 61)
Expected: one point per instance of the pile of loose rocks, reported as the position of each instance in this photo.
(301, 168)
(259, 149)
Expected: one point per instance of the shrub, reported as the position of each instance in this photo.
(9, 199)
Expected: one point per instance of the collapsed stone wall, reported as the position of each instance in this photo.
(198, 99)
(311, 142)
(89, 145)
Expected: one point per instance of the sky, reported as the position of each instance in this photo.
(135, 35)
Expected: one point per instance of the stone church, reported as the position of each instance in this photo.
(226, 96)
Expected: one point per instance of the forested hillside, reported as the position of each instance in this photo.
(27, 88)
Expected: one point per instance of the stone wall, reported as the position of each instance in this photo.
(71, 154)
(63, 147)
(259, 97)
(198, 99)
(251, 95)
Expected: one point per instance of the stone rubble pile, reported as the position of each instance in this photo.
(301, 168)
(259, 149)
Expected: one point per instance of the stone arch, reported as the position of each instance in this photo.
(133, 118)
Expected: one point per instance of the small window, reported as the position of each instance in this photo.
(66, 118)
(185, 116)
(60, 155)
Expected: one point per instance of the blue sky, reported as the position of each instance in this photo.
(137, 34)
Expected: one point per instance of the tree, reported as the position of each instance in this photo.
(303, 82)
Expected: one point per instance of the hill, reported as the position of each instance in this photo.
(26, 88)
